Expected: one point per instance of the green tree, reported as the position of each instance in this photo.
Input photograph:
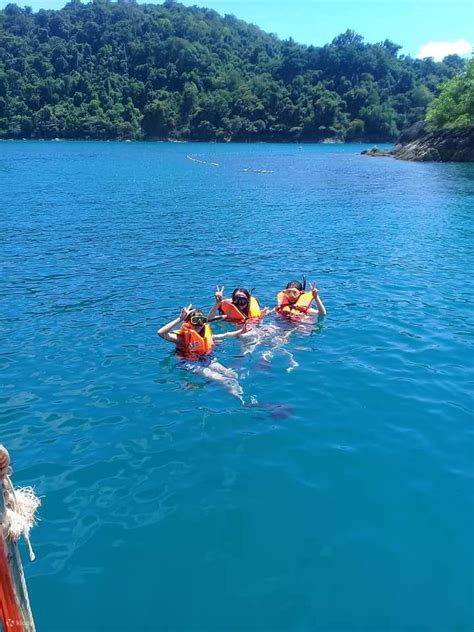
(119, 69)
(455, 105)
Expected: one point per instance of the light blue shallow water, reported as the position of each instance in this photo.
(339, 497)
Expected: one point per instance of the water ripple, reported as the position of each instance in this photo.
(333, 480)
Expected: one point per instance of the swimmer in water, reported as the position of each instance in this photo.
(241, 307)
(195, 337)
(294, 302)
(195, 343)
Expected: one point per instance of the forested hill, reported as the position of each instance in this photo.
(122, 70)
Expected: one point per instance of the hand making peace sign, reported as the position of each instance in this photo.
(219, 294)
(185, 312)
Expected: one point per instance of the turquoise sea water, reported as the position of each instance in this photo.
(339, 495)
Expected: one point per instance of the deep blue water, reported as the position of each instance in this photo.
(339, 496)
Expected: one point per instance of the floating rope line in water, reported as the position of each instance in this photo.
(248, 170)
(216, 164)
(203, 162)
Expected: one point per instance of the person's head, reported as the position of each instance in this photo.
(294, 289)
(241, 299)
(295, 285)
(197, 319)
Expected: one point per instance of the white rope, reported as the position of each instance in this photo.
(21, 505)
(21, 515)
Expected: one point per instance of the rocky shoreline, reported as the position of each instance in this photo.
(423, 143)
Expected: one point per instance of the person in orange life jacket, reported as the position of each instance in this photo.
(239, 308)
(195, 338)
(294, 301)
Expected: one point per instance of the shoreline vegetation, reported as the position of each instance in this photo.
(123, 71)
(447, 133)
(204, 142)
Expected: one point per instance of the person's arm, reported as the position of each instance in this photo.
(321, 309)
(165, 331)
(219, 298)
(247, 326)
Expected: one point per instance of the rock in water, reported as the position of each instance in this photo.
(376, 152)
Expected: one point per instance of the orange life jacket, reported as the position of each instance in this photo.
(233, 313)
(192, 343)
(296, 309)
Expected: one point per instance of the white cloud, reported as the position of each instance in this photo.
(439, 50)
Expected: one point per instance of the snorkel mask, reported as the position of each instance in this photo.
(199, 320)
(241, 302)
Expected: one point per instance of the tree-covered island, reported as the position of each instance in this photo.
(120, 70)
(447, 134)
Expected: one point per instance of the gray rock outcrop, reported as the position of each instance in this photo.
(420, 142)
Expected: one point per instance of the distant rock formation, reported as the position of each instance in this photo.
(422, 142)
(377, 153)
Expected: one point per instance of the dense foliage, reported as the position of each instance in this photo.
(123, 70)
(455, 105)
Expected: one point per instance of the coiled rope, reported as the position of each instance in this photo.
(21, 504)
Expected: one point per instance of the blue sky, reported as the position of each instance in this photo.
(411, 23)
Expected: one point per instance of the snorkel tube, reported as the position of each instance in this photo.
(219, 317)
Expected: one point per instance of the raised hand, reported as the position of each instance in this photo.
(185, 312)
(219, 294)
(314, 290)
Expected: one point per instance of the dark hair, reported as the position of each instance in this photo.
(297, 285)
(248, 294)
(242, 290)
